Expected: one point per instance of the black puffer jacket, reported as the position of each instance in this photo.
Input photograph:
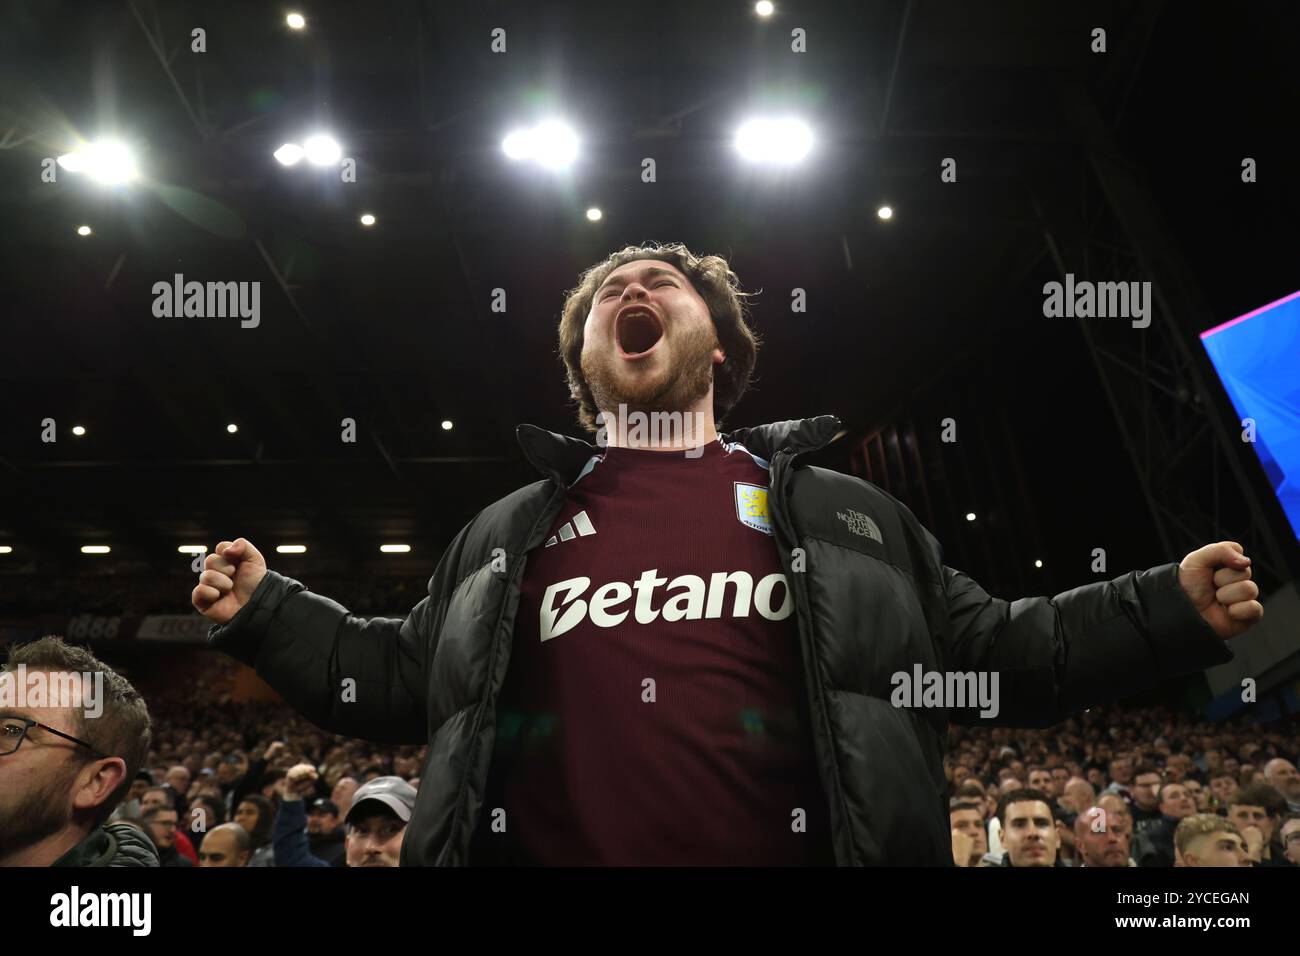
(113, 844)
(872, 598)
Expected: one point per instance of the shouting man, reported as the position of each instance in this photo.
(679, 646)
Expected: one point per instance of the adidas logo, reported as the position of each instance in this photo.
(566, 532)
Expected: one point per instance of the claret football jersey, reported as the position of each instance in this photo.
(654, 710)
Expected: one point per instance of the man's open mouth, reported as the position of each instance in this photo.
(637, 331)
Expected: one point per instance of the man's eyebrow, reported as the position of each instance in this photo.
(646, 273)
(6, 712)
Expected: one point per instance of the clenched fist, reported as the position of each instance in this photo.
(231, 575)
(1217, 580)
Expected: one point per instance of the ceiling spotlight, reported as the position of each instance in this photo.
(395, 548)
(296, 21)
(970, 516)
(446, 424)
(322, 150)
(594, 214)
(288, 154)
(764, 8)
(95, 549)
(84, 230)
(232, 428)
(550, 143)
(367, 220)
(78, 430)
(290, 549)
(885, 212)
(106, 161)
(781, 140)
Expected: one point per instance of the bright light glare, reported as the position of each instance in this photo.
(395, 548)
(193, 549)
(885, 212)
(1038, 564)
(291, 549)
(970, 516)
(764, 8)
(322, 150)
(84, 230)
(550, 143)
(367, 220)
(78, 430)
(106, 161)
(296, 21)
(774, 140)
(288, 154)
(232, 428)
(5, 549)
(594, 214)
(95, 549)
(446, 424)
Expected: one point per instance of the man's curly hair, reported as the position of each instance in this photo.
(716, 284)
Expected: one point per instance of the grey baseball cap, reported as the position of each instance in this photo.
(393, 792)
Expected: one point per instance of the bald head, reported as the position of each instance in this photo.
(1078, 795)
(225, 845)
(1282, 774)
(1102, 840)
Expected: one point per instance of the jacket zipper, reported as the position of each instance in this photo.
(548, 513)
(781, 463)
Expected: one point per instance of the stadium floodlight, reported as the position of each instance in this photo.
(778, 141)
(296, 21)
(290, 549)
(95, 549)
(232, 428)
(84, 230)
(970, 516)
(367, 219)
(594, 214)
(885, 212)
(395, 548)
(447, 425)
(193, 549)
(78, 430)
(5, 549)
(764, 8)
(105, 161)
(322, 150)
(1038, 564)
(288, 154)
(550, 143)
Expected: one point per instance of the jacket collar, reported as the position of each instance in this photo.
(562, 458)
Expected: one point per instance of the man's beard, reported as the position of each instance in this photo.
(675, 389)
(41, 813)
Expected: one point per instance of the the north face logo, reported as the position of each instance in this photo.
(860, 524)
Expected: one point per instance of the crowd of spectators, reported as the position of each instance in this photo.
(1117, 787)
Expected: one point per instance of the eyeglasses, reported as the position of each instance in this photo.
(13, 731)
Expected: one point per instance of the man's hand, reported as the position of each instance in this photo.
(962, 844)
(1217, 580)
(299, 782)
(273, 751)
(232, 574)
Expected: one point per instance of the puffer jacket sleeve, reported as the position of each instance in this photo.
(306, 646)
(1056, 656)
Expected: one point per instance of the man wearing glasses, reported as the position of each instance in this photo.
(62, 770)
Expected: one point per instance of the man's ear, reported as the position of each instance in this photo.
(719, 356)
(97, 781)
